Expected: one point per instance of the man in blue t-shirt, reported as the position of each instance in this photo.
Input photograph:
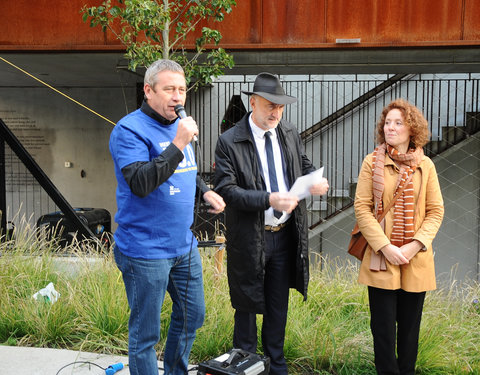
(154, 247)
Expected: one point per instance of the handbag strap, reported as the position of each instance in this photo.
(392, 202)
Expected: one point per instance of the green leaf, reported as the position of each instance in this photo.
(115, 11)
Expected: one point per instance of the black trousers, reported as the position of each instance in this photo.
(278, 254)
(395, 319)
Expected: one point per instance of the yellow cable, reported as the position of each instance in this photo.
(54, 89)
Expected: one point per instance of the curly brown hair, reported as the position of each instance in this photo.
(414, 119)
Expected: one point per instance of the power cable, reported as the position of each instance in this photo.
(197, 214)
(57, 91)
(110, 370)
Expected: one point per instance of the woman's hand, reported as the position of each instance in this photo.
(394, 254)
(409, 250)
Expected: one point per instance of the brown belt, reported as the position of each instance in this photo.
(276, 228)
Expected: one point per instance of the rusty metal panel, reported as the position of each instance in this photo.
(48, 24)
(395, 22)
(293, 22)
(243, 25)
(471, 30)
(257, 24)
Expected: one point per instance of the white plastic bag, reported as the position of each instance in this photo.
(47, 294)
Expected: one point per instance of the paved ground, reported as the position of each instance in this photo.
(16, 360)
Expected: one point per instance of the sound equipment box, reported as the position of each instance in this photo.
(56, 225)
(236, 362)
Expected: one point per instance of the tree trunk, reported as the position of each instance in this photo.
(166, 34)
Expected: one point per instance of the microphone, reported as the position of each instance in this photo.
(180, 111)
(110, 370)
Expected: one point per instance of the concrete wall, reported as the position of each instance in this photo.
(55, 130)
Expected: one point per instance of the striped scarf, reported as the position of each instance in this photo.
(403, 217)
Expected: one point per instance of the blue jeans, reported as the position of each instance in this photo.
(146, 282)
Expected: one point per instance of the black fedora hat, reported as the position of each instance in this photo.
(268, 86)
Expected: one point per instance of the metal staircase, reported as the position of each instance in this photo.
(343, 181)
(452, 135)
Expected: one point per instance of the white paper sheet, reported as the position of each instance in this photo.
(301, 187)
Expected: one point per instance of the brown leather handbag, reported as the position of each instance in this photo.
(358, 243)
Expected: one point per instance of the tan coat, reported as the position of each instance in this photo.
(419, 274)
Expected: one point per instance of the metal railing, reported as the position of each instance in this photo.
(337, 116)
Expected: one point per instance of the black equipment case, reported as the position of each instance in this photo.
(236, 362)
(55, 224)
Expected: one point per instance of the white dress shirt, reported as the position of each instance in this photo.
(259, 137)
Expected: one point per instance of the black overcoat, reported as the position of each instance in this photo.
(239, 180)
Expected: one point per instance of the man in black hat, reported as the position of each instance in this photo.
(257, 161)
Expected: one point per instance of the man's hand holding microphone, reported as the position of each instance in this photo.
(187, 130)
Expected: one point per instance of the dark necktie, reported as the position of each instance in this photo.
(271, 169)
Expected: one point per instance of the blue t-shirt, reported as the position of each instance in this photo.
(158, 225)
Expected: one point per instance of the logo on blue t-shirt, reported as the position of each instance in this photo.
(174, 190)
(188, 162)
(164, 145)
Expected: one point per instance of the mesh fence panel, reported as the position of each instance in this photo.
(344, 133)
(336, 116)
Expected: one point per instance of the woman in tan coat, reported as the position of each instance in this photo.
(398, 265)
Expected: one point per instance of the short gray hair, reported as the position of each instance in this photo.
(160, 66)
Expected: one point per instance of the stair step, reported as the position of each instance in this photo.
(451, 135)
(472, 122)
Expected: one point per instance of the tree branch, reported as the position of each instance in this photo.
(182, 12)
(186, 32)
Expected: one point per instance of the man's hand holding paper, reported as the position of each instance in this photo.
(311, 184)
(283, 202)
